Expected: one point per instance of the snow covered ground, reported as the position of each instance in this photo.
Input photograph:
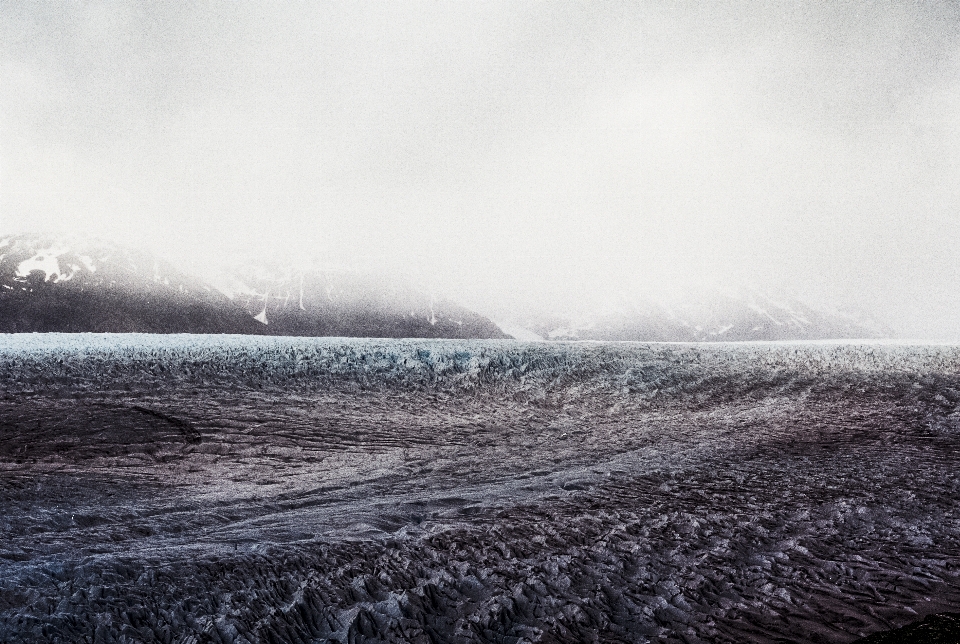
(248, 489)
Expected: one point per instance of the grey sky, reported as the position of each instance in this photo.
(506, 151)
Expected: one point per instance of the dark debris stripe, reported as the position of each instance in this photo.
(190, 432)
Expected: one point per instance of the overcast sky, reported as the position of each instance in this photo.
(506, 151)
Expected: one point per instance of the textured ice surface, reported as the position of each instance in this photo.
(447, 361)
(247, 489)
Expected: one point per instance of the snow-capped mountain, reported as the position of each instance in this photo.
(324, 302)
(77, 284)
(703, 317)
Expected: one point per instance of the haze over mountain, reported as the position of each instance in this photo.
(704, 316)
(305, 301)
(81, 284)
(75, 285)
(506, 154)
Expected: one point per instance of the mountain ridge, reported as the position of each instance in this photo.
(315, 301)
(76, 284)
(80, 284)
(83, 285)
(706, 316)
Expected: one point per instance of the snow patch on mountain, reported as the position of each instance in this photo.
(46, 260)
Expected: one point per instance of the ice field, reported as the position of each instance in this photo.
(274, 489)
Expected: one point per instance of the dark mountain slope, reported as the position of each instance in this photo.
(317, 302)
(83, 285)
(80, 285)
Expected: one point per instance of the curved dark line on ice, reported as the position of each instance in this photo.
(189, 431)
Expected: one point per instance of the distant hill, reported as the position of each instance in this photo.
(84, 285)
(704, 317)
(317, 302)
